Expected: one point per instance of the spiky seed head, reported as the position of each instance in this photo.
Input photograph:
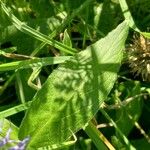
(139, 57)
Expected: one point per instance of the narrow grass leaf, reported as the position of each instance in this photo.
(14, 110)
(34, 33)
(127, 15)
(146, 34)
(35, 62)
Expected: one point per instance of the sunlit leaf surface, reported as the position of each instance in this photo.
(73, 93)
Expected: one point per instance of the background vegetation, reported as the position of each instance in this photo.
(37, 36)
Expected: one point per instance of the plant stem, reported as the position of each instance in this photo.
(97, 137)
(127, 14)
(15, 110)
(126, 141)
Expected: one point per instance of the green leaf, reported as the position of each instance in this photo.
(73, 93)
(23, 90)
(132, 110)
(34, 33)
(127, 14)
(14, 110)
(146, 34)
(105, 18)
(66, 39)
(35, 62)
(6, 125)
(141, 144)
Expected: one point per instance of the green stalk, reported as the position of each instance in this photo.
(126, 141)
(94, 134)
(35, 62)
(4, 87)
(21, 88)
(127, 14)
(15, 110)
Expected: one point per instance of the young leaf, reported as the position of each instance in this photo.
(73, 93)
(66, 39)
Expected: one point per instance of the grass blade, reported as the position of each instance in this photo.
(38, 35)
(14, 110)
(35, 62)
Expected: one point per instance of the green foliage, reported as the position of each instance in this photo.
(146, 34)
(6, 125)
(61, 103)
(78, 47)
(133, 109)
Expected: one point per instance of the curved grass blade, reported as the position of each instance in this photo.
(36, 34)
(127, 15)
